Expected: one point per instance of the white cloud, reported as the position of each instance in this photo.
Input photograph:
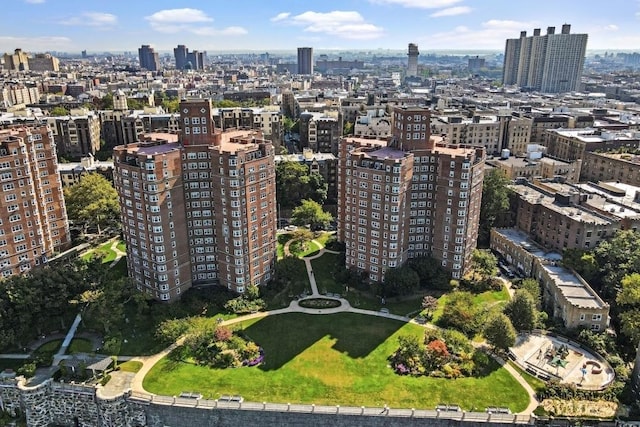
(183, 20)
(452, 11)
(34, 1)
(280, 17)
(611, 27)
(418, 4)
(491, 35)
(34, 44)
(92, 19)
(210, 31)
(344, 24)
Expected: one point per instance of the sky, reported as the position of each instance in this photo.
(276, 25)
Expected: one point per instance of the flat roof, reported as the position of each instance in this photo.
(575, 290)
(520, 238)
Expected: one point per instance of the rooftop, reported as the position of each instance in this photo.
(574, 288)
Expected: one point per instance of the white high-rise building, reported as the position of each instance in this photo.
(550, 63)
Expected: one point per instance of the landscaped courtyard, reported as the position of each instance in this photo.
(334, 359)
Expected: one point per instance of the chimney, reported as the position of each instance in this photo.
(536, 31)
(551, 30)
(566, 28)
(523, 34)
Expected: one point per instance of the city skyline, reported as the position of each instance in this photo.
(60, 25)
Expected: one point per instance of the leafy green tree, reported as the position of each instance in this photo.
(92, 202)
(287, 124)
(58, 111)
(533, 288)
(400, 281)
(104, 103)
(499, 332)
(617, 257)
(294, 182)
(431, 273)
(461, 313)
(495, 206)
(630, 326)
(347, 128)
(484, 263)
(629, 295)
(310, 213)
(171, 105)
(521, 310)
(583, 262)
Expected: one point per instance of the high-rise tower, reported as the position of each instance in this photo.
(412, 64)
(148, 58)
(550, 63)
(305, 60)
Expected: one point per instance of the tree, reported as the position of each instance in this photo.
(461, 313)
(533, 288)
(310, 213)
(494, 208)
(171, 105)
(347, 128)
(499, 332)
(583, 262)
(629, 295)
(617, 257)
(430, 304)
(630, 326)
(485, 263)
(400, 281)
(58, 111)
(92, 202)
(294, 181)
(431, 273)
(521, 310)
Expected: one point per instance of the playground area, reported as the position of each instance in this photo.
(551, 357)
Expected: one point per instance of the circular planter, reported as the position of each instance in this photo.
(319, 303)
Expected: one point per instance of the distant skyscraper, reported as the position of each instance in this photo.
(305, 60)
(180, 53)
(412, 64)
(549, 63)
(148, 58)
(18, 61)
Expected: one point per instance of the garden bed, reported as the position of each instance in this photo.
(319, 303)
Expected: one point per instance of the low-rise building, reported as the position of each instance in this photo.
(71, 173)
(545, 167)
(573, 144)
(621, 167)
(565, 293)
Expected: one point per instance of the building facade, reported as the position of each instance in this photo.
(412, 61)
(148, 58)
(415, 197)
(549, 63)
(77, 135)
(207, 211)
(305, 60)
(621, 167)
(34, 224)
(320, 132)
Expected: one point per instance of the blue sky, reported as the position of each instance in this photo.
(270, 25)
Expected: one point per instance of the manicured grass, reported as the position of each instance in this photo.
(108, 255)
(536, 383)
(323, 237)
(334, 359)
(282, 239)
(49, 347)
(130, 366)
(324, 269)
(310, 247)
(122, 246)
(80, 345)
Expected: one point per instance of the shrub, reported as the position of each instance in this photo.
(105, 379)
(27, 370)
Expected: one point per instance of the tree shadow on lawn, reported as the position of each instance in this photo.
(286, 336)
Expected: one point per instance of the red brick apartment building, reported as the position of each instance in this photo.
(199, 208)
(33, 218)
(411, 196)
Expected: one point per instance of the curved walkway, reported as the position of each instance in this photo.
(345, 307)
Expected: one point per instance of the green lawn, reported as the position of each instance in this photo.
(130, 366)
(105, 251)
(323, 237)
(49, 347)
(334, 359)
(122, 246)
(80, 345)
(309, 248)
(536, 383)
(282, 239)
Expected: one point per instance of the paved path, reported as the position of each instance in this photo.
(119, 253)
